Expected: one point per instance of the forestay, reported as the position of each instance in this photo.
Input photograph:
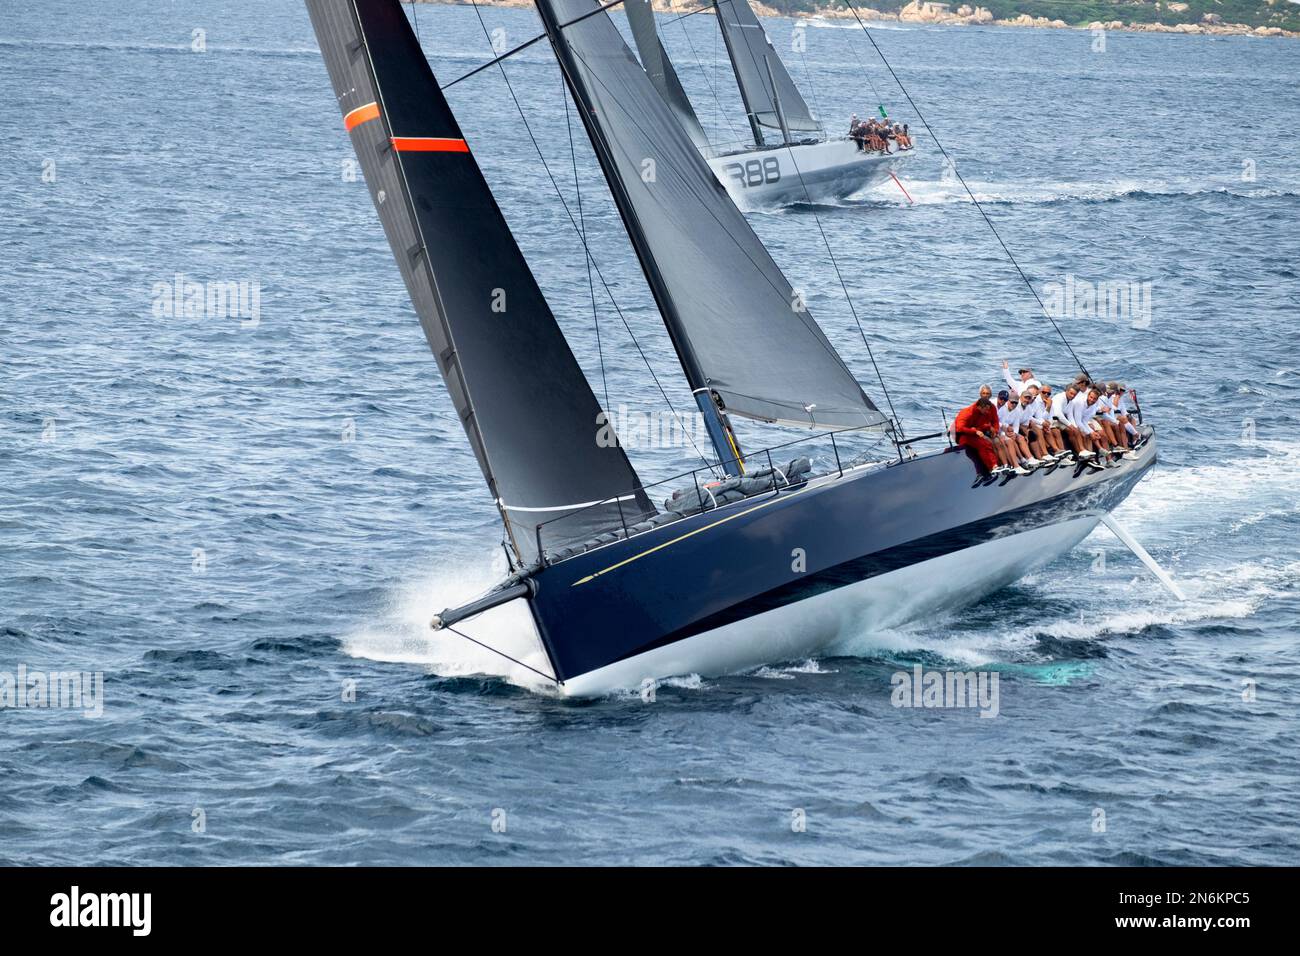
(737, 324)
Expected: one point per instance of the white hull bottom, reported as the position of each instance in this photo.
(815, 172)
(802, 629)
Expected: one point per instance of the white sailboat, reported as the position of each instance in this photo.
(791, 159)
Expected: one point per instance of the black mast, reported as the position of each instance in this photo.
(527, 409)
(720, 434)
(762, 77)
(744, 336)
(751, 113)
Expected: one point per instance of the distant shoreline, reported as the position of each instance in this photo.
(949, 14)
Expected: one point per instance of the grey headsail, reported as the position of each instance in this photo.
(752, 56)
(529, 412)
(654, 58)
(738, 326)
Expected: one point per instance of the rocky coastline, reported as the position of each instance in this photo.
(949, 14)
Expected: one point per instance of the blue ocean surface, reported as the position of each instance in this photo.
(245, 523)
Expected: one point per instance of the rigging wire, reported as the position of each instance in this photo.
(631, 117)
(587, 249)
(708, 80)
(803, 58)
(683, 16)
(415, 19)
(898, 424)
(880, 102)
(525, 45)
(952, 165)
(582, 235)
(513, 660)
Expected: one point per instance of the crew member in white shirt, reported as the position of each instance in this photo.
(1025, 380)
(1042, 406)
(1109, 418)
(1060, 417)
(1092, 419)
(1120, 398)
(1018, 416)
(1057, 406)
(1076, 403)
(1009, 433)
(1031, 428)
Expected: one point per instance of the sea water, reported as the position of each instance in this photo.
(244, 522)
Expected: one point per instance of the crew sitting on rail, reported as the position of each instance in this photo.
(1033, 416)
(1059, 412)
(1117, 439)
(874, 135)
(883, 135)
(1098, 416)
(1043, 419)
(1011, 417)
(975, 427)
(863, 134)
(1108, 421)
(870, 136)
(1092, 416)
(1094, 426)
(1029, 424)
(1111, 429)
(1119, 397)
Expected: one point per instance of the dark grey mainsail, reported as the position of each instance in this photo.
(752, 57)
(529, 412)
(737, 324)
(659, 67)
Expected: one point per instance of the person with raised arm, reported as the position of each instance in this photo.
(1024, 380)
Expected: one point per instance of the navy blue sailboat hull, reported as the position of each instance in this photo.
(737, 562)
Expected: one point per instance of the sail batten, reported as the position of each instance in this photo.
(739, 328)
(528, 411)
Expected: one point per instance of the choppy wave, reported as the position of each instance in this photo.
(105, 46)
(257, 592)
(400, 633)
(824, 24)
(937, 192)
(1256, 480)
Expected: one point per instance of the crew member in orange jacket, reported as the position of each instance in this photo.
(973, 426)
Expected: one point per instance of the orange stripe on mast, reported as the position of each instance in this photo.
(360, 115)
(429, 144)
